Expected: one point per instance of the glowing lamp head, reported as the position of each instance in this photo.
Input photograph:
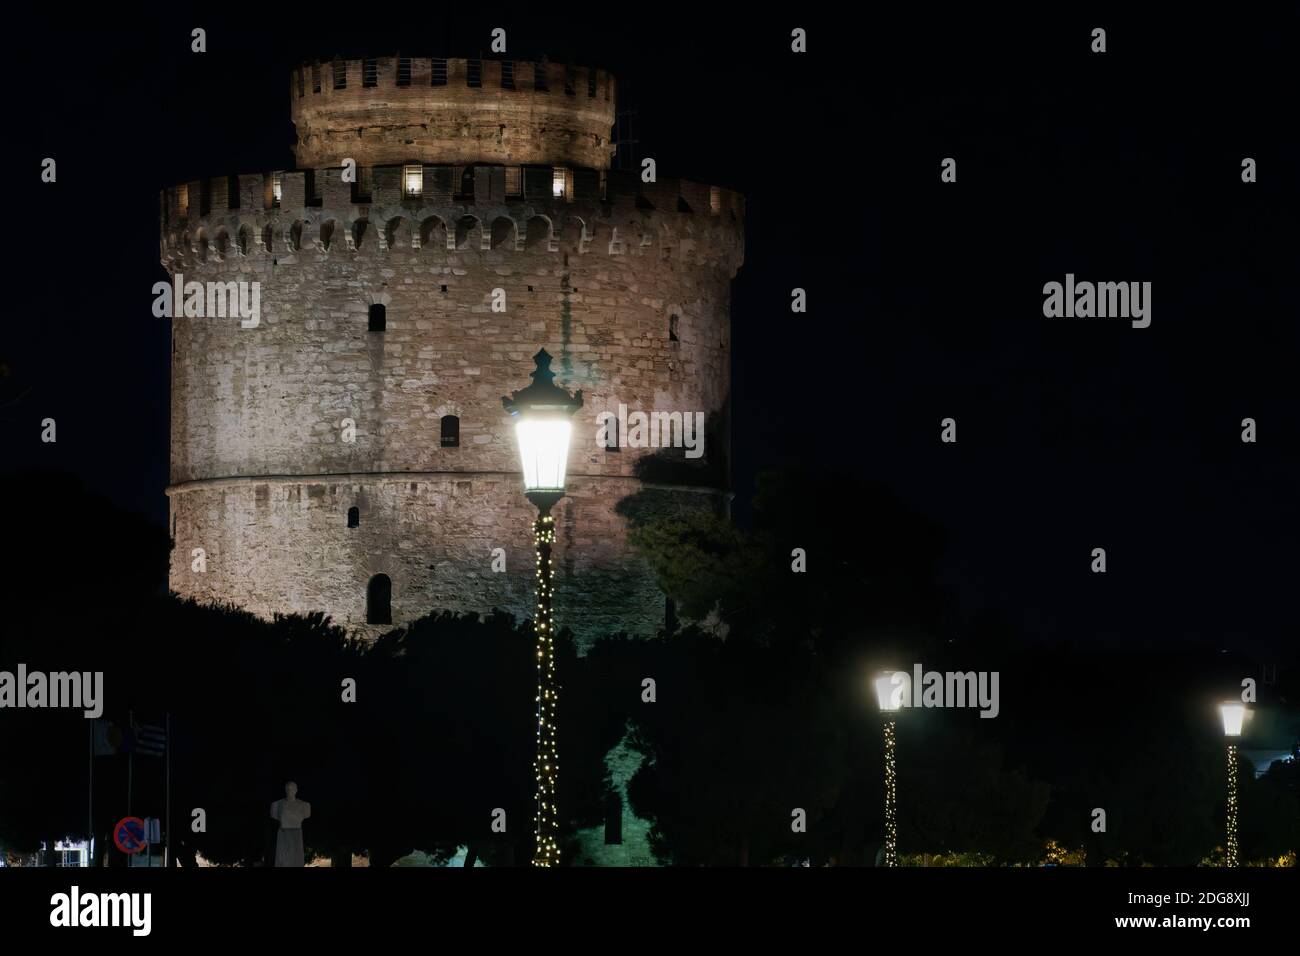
(891, 686)
(543, 415)
(1234, 715)
(543, 452)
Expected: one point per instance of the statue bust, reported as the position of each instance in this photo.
(289, 813)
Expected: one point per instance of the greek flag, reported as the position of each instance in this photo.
(150, 740)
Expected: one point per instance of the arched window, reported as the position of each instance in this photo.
(379, 600)
(450, 431)
(354, 517)
(672, 328)
(378, 317)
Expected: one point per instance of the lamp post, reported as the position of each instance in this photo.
(542, 428)
(889, 697)
(1234, 715)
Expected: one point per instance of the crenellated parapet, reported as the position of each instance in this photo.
(208, 223)
(399, 109)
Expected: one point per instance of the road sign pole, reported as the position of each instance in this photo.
(130, 760)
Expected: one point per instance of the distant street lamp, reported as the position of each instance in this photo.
(1234, 715)
(889, 697)
(543, 411)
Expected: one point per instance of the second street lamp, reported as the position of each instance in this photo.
(543, 413)
(1234, 715)
(890, 688)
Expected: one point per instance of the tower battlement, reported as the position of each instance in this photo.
(225, 219)
(396, 109)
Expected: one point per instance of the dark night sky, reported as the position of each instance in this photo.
(925, 299)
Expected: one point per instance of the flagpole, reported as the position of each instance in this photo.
(130, 760)
(90, 800)
(167, 792)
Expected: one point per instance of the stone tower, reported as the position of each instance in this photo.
(349, 453)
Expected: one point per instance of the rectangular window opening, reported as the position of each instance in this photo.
(412, 179)
(361, 188)
(312, 187)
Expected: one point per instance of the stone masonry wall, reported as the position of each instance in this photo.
(261, 476)
(285, 545)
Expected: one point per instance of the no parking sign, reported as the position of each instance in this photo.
(129, 835)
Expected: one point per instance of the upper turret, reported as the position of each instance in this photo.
(389, 110)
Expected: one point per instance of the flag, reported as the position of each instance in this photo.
(109, 739)
(150, 740)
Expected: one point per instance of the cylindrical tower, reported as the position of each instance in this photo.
(346, 450)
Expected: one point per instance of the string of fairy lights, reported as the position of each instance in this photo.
(1231, 855)
(891, 798)
(546, 766)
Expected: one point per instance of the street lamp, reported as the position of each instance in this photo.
(543, 411)
(1234, 715)
(889, 697)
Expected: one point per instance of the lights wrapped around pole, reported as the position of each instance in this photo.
(891, 690)
(546, 765)
(1231, 852)
(891, 797)
(543, 411)
(1234, 717)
